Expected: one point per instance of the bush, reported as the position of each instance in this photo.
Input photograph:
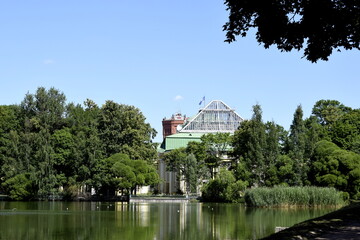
(293, 196)
(224, 188)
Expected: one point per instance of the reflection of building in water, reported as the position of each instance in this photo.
(143, 213)
(185, 219)
(121, 206)
(140, 213)
(178, 131)
(178, 218)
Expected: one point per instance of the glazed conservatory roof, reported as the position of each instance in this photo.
(215, 117)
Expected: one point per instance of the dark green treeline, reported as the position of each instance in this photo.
(47, 144)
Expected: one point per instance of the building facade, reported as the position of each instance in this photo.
(178, 131)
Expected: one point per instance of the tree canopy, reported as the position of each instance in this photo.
(119, 173)
(318, 26)
(47, 145)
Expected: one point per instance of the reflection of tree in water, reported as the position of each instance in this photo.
(83, 220)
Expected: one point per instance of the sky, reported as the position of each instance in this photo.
(161, 57)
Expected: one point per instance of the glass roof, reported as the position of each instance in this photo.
(215, 117)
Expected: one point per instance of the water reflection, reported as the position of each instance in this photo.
(95, 220)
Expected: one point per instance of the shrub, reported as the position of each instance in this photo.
(224, 188)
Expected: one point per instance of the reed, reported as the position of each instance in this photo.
(293, 196)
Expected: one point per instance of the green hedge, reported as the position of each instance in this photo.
(293, 196)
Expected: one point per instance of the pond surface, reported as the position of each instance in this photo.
(99, 220)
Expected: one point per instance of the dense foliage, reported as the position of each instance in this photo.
(319, 26)
(293, 196)
(120, 173)
(49, 147)
(322, 150)
(224, 188)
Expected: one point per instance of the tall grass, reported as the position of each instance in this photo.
(293, 196)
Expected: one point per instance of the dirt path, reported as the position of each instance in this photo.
(349, 231)
(341, 224)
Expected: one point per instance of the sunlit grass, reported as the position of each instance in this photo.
(293, 196)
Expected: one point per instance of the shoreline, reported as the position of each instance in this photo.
(343, 223)
(124, 198)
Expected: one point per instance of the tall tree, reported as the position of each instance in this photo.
(83, 124)
(124, 130)
(346, 131)
(275, 139)
(249, 143)
(297, 147)
(314, 133)
(9, 140)
(44, 113)
(45, 109)
(318, 26)
(190, 176)
(329, 111)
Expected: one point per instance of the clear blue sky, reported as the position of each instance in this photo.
(160, 56)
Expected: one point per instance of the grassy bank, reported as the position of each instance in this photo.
(292, 196)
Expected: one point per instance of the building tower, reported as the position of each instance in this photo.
(170, 125)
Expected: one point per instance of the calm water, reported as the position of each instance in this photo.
(94, 220)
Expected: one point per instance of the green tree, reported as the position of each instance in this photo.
(198, 149)
(44, 172)
(249, 143)
(318, 26)
(340, 123)
(335, 167)
(297, 147)
(66, 163)
(45, 109)
(52, 145)
(83, 125)
(120, 173)
(217, 147)
(224, 188)
(285, 171)
(274, 146)
(9, 142)
(187, 167)
(44, 113)
(190, 175)
(329, 111)
(145, 173)
(175, 159)
(19, 187)
(124, 130)
(241, 172)
(314, 133)
(346, 131)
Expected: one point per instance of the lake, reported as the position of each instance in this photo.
(100, 220)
